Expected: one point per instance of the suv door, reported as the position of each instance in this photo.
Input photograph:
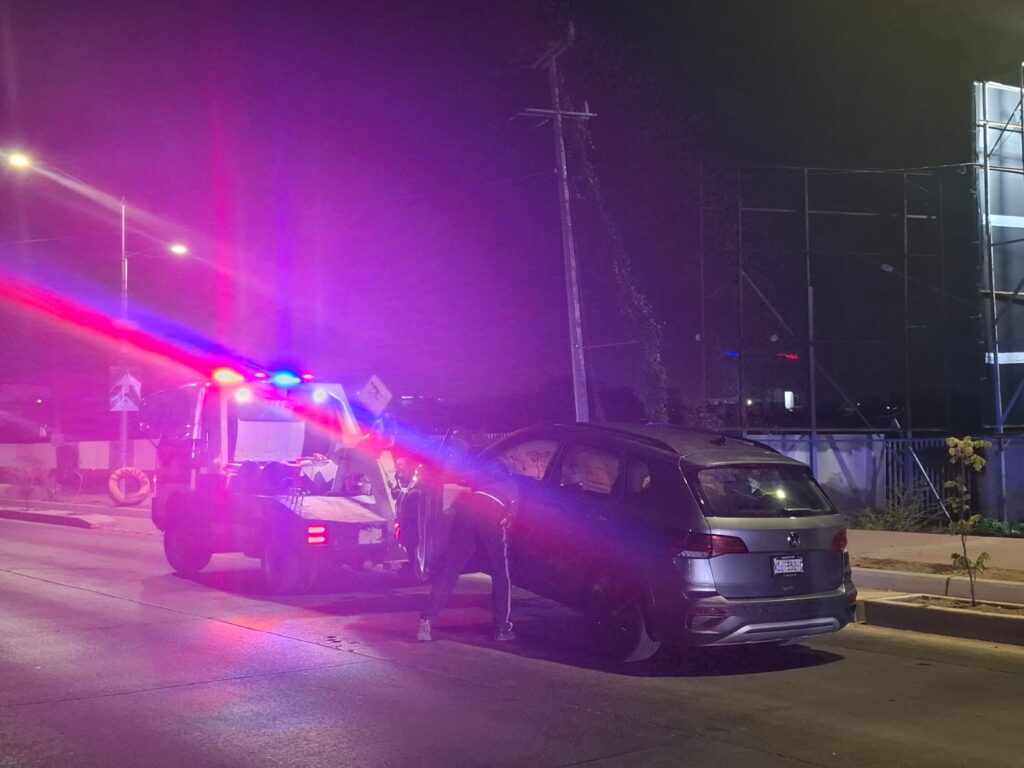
(529, 459)
(584, 490)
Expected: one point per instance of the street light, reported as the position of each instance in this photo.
(19, 160)
(178, 249)
(22, 161)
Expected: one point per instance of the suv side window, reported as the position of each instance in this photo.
(529, 458)
(653, 489)
(638, 480)
(591, 469)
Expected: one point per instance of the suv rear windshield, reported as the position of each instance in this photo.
(761, 491)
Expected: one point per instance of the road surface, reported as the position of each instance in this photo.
(107, 659)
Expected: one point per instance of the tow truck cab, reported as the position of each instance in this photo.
(274, 467)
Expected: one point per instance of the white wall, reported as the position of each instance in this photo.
(850, 467)
(92, 454)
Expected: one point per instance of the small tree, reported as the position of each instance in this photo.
(965, 453)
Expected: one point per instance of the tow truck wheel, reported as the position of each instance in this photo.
(184, 549)
(284, 572)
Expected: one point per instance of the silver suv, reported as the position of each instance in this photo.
(672, 536)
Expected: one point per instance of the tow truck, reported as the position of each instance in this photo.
(276, 466)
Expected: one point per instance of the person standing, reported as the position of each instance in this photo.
(480, 522)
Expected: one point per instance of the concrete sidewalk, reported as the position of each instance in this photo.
(80, 514)
(920, 562)
(934, 548)
(11, 496)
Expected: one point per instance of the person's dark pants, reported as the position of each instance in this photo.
(466, 537)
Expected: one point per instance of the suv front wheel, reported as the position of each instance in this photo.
(615, 619)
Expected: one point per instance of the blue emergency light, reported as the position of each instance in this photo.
(285, 379)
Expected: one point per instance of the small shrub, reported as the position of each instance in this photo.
(25, 480)
(988, 527)
(903, 513)
(966, 454)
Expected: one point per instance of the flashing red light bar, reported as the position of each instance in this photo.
(227, 376)
(316, 535)
(307, 377)
(788, 356)
(259, 375)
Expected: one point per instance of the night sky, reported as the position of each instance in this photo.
(359, 196)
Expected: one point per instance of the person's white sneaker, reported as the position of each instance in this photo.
(504, 635)
(423, 633)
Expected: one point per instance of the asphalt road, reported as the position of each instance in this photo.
(107, 659)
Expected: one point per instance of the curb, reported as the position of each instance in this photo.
(77, 506)
(905, 582)
(896, 613)
(58, 518)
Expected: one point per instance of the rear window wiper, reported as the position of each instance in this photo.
(801, 512)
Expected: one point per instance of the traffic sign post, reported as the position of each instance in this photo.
(125, 391)
(374, 396)
(125, 396)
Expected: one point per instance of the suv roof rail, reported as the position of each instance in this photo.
(614, 430)
(717, 433)
(623, 431)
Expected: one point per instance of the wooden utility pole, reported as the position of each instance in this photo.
(572, 280)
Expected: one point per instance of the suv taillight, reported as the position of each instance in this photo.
(705, 545)
(839, 541)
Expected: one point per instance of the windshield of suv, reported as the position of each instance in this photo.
(761, 491)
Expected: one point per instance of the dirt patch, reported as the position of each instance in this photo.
(885, 564)
(1001, 609)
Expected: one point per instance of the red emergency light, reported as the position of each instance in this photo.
(793, 356)
(227, 376)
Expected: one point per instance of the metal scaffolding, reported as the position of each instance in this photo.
(999, 185)
(806, 258)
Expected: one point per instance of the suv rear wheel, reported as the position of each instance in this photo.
(615, 620)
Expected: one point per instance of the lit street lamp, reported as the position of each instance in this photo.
(23, 162)
(178, 249)
(19, 160)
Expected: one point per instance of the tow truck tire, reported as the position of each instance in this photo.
(616, 622)
(184, 549)
(284, 572)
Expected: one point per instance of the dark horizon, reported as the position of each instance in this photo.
(360, 199)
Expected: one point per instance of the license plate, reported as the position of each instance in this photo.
(788, 564)
(370, 535)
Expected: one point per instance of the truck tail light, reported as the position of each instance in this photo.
(316, 535)
(707, 545)
(839, 542)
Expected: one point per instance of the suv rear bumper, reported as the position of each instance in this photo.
(715, 621)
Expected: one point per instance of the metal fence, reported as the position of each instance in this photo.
(873, 471)
(916, 470)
